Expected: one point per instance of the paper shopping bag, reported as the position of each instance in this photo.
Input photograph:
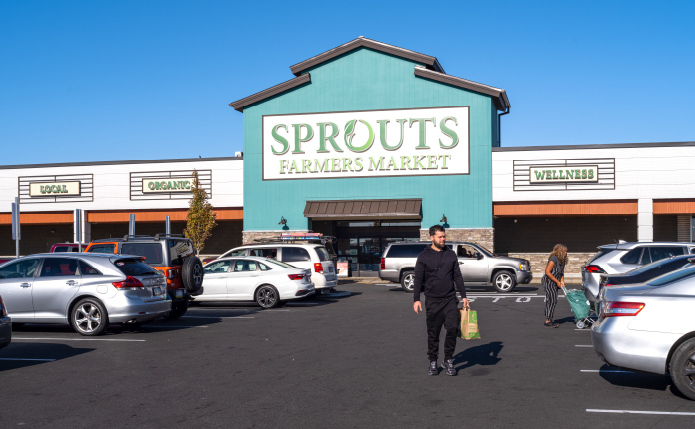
(468, 326)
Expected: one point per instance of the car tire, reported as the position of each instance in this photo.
(408, 281)
(89, 317)
(504, 281)
(267, 297)
(682, 368)
(192, 274)
(178, 309)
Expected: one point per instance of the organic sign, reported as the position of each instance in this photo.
(564, 174)
(54, 189)
(371, 143)
(167, 185)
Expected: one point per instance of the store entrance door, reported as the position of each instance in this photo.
(362, 243)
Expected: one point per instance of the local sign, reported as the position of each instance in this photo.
(368, 143)
(564, 174)
(166, 185)
(54, 189)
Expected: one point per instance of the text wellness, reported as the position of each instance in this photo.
(377, 145)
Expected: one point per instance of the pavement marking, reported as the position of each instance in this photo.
(582, 345)
(605, 370)
(171, 327)
(71, 339)
(666, 413)
(36, 360)
(218, 317)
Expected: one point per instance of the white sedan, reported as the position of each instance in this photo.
(247, 278)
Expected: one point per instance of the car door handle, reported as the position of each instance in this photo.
(70, 282)
(460, 263)
(25, 285)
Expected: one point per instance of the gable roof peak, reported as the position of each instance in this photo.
(362, 42)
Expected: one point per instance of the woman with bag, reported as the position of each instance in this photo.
(553, 280)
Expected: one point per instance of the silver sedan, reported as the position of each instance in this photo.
(650, 327)
(85, 290)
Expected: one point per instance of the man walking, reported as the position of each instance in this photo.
(436, 271)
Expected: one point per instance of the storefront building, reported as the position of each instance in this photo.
(107, 193)
(370, 143)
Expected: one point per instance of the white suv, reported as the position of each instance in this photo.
(312, 256)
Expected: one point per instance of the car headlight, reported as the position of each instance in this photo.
(523, 267)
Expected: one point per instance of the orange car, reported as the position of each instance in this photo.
(170, 254)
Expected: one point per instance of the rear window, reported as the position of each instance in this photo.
(103, 248)
(672, 277)
(151, 251)
(323, 254)
(279, 264)
(405, 250)
(133, 267)
(600, 253)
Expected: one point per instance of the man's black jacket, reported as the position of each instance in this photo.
(436, 273)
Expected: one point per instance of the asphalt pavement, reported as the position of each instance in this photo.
(340, 361)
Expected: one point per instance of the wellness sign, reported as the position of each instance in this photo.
(368, 143)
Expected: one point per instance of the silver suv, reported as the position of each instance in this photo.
(478, 266)
(623, 257)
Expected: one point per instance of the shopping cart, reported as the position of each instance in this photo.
(580, 307)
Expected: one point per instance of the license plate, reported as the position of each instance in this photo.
(179, 293)
(156, 290)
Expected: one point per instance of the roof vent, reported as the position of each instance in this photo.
(238, 154)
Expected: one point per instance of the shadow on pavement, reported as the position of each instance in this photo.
(484, 355)
(115, 329)
(22, 350)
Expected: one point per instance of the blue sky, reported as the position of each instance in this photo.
(86, 81)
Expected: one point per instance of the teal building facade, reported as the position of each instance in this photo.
(404, 186)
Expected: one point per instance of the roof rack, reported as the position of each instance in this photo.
(157, 236)
(102, 240)
(294, 237)
(130, 237)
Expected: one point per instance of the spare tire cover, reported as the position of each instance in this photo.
(192, 274)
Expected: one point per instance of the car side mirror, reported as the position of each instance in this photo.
(478, 256)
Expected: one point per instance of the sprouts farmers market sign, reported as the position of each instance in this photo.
(155, 186)
(564, 174)
(367, 143)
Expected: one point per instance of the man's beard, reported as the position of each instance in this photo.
(438, 246)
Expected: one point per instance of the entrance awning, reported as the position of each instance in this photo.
(364, 209)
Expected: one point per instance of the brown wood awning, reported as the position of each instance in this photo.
(364, 209)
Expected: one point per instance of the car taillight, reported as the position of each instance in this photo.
(130, 283)
(318, 268)
(594, 269)
(171, 274)
(383, 263)
(296, 276)
(3, 309)
(620, 308)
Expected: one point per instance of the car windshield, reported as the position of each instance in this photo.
(672, 277)
(134, 267)
(278, 263)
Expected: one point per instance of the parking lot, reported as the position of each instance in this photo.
(336, 361)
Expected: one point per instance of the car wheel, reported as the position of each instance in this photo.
(682, 368)
(408, 281)
(178, 309)
(192, 274)
(267, 297)
(504, 281)
(89, 317)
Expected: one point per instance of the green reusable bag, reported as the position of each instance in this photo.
(468, 325)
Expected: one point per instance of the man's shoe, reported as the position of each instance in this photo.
(433, 368)
(448, 366)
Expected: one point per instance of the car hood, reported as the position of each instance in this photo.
(510, 259)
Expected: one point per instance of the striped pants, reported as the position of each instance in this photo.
(551, 290)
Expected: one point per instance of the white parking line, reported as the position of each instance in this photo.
(583, 345)
(661, 413)
(36, 360)
(71, 339)
(216, 317)
(605, 370)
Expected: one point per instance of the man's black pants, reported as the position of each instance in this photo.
(440, 312)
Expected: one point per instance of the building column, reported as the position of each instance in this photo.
(684, 227)
(645, 219)
(86, 228)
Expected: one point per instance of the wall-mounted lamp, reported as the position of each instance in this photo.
(514, 220)
(443, 219)
(283, 221)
